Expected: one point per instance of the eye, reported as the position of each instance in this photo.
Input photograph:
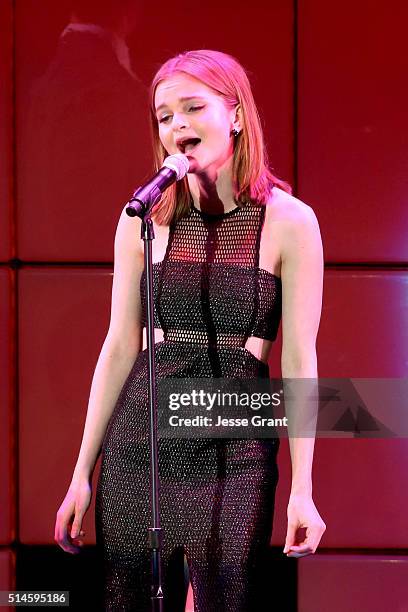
(194, 108)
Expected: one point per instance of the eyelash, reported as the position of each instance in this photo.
(194, 108)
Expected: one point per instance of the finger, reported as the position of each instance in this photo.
(78, 541)
(312, 538)
(67, 546)
(301, 548)
(290, 537)
(70, 548)
(309, 544)
(60, 525)
(62, 539)
(76, 526)
(297, 555)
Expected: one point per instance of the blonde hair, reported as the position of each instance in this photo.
(252, 177)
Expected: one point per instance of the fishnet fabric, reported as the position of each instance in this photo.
(209, 280)
(217, 496)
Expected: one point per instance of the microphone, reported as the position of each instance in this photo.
(174, 168)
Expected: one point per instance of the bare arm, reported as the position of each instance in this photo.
(119, 351)
(302, 286)
(121, 345)
(110, 374)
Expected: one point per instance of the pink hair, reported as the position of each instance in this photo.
(252, 177)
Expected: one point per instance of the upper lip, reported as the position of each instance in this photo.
(180, 141)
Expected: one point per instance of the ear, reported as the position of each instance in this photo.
(237, 118)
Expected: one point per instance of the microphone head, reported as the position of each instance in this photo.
(177, 162)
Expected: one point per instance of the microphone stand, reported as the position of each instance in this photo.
(155, 536)
(174, 168)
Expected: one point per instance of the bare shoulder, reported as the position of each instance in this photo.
(291, 222)
(285, 209)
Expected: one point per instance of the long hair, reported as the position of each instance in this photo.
(252, 178)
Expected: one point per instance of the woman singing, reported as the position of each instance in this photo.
(234, 253)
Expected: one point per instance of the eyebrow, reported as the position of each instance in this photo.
(182, 99)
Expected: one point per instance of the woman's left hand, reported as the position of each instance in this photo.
(303, 513)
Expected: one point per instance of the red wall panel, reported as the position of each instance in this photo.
(7, 408)
(353, 582)
(7, 569)
(63, 319)
(352, 126)
(364, 325)
(6, 129)
(83, 142)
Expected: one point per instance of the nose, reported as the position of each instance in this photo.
(180, 122)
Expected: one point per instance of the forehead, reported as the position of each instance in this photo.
(179, 86)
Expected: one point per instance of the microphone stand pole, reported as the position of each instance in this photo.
(143, 209)
(155, 531)
(141, 205)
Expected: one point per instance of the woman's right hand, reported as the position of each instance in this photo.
(68, 524)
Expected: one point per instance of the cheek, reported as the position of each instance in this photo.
(221, 129)
(164, 137)
(220, 137)
(162, 134)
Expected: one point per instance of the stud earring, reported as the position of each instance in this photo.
(235, 132)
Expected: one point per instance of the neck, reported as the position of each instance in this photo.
(212, 191)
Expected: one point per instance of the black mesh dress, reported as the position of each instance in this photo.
(217, 496)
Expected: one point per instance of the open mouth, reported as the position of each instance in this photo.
(188, 144)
